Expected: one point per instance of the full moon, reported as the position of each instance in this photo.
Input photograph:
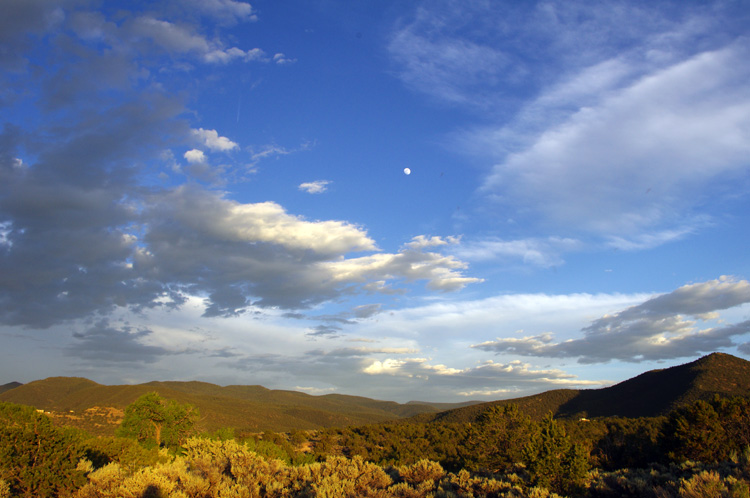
(407, 171)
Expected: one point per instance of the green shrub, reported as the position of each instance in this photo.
(124, 451)
(36, 458)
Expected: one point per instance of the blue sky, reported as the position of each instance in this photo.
(215, 190)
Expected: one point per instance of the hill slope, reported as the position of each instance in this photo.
(97, 407)
(9, 386)
(652, 393)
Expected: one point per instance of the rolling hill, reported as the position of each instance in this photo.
(98, 408)
(650, 394)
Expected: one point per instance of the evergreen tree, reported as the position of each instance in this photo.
(695, 432)
(155, 421)
(496, 441)
(553, 460)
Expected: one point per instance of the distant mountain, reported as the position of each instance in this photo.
(652, 393)
(445, 406)
(98, 408)
(9, 386)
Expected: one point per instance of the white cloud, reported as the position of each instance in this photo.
(502, 314)
(195, 156)
(274, 257)
(281, 59)
(651, 240)
(225, 56)
(212, 140)
(538, 252)
(410, 263)
(316, 187)
(225, 220)
(673, 130)
(316, 391)
(388, 366)
(488, 379)
(422, 242)
(226, 11)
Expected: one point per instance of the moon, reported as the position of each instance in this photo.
(407, 171)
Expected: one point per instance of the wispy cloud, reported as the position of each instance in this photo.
(282, 59)
(228, 12)
(664, 327)
(316, 187)
(612, 120)
(537, 252)
(676, 130)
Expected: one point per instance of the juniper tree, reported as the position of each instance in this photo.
(553, 459)
(155, 421)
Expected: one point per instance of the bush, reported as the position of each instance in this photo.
(36, 458)
(127, 452)
(423, 470)
(709, 484)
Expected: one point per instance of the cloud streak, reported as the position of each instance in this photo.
(664, 327)
(675, 130)
(316, 187)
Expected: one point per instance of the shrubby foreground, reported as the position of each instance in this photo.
(697, 451)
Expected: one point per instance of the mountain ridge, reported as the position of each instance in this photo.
(246, 408)
(254, 408)
(649, 394)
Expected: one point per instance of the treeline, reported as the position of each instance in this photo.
(699, 450)
(713, 431)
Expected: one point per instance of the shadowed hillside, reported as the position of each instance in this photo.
(652, 393)
(9, 386)
(658, 391)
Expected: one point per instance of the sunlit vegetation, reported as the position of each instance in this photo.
(155, 421)
(698, 450)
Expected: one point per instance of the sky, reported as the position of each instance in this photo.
(217, 190)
